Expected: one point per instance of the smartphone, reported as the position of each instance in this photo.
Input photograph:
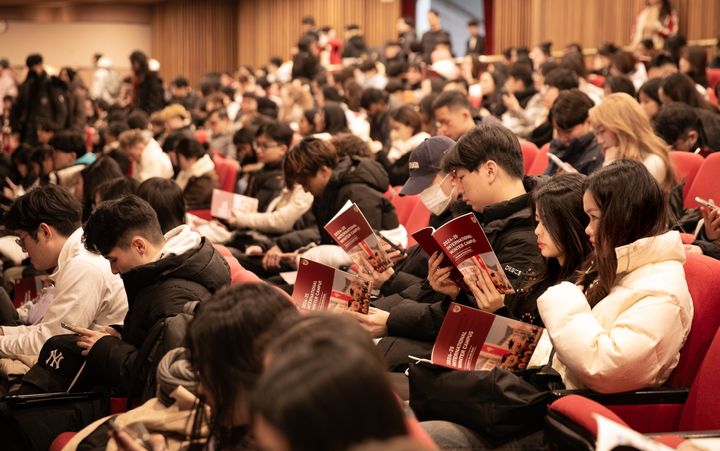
(561, 164)
(67, 326)
(390, 243)
(705, 203)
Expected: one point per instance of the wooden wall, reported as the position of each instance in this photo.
(191, 38)
(272, 27)
(590, 22)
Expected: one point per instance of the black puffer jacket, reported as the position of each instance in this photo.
(266, 184)
(584, 154)
(417, 313)
(358, 180)
(155, 291)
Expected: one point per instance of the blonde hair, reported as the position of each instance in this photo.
(174, 110)
(131, 138)
(622, 115)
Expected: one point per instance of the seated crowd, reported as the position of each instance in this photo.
(107, 206)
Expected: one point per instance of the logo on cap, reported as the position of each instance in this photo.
(414, 165)
(54, 360)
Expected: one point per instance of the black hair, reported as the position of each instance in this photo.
(562, 78)
(141, 60)
(245, 135)
(69, 141)
(221, 113)
(302, 349)
(571, 108)
(559, 204)
(408, 115)
(659, 60)
(235, 316)
(452, 100)
(372, 95)
(116, 188)
(546, 47)
(47, 125)
(276, 61)
(138, 119)
(394, 85)
(50, 204)
(190, 148)
(166, 198)
(348, 144)
(113, 223)
(651, 89)
(674, 120)
(278, 131)
(308, 20)
(267, 107)
(620, 83)
(673, 45)
(681, 88)
(116, 128)
(434, 11)
(608, 49)
(624, 62)
(523, 73)
(549, 66)
(306, 158)
(331, 94)
(104, 168)
(576, 63)
(483, 143)
(632, 206)
(335, 118)
(180, 82)
(473, 22)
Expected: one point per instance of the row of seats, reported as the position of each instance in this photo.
(699, 173)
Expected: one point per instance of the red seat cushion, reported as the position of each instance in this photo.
(541, 162)
(702, 408)
(580, 410)
(226, 170)
(61, 440)
(529, 151)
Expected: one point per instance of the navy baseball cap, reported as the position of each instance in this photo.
(425, 163)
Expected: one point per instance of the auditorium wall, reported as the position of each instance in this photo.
(590, 22)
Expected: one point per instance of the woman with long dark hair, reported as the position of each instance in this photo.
(558, 210)
(681, 88)
(622, 326)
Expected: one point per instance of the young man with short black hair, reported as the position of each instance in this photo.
(454, 115)
(47, 223)
(574, 141)
(272, 141)
(682, 127)
(487, 166)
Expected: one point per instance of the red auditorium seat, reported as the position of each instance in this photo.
(571, 426)
(706, 183)
(597, 80)
(238, 274)
(541, 161)
(713, 76)
(227, 170)
(404, 205)
(687, 165)
(201, 136)
(530, 152)
(419, 219)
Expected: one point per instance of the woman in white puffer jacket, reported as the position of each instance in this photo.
(623, 326)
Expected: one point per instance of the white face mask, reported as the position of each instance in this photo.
(435, 199)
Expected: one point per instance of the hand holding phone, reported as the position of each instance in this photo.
(705, 203)
(67, 326)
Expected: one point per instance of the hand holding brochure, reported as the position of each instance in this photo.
(322, 287)
(466, 247)
(224, 203)
(470, 339)
(353, 233)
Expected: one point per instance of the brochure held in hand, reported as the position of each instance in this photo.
(322, 287)
(467, 248)
(353, 233)
(471, 339)
(224, 203)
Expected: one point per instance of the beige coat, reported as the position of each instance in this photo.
(632, 338)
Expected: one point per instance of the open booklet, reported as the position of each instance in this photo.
(353, 233)
(322, 287)
(470, 339)
(224, 202)
(467, 248)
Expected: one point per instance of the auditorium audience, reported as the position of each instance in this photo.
(305, 137)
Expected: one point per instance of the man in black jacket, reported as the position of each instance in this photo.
(333, 181)
(272, 140)
(574, 141)
(488, 172)
(161, 274)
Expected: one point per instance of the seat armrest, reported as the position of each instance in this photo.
(49, 398)
(660, 395)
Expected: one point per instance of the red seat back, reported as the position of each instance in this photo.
(202, 214)
(541, 161)
(597, 80)
(529, 151)
(201, 136)
(702, 408)
(687, 165)
(226, 170)
(703, 278)
(404, 205)
(706, 183)
(419, 219)
(713, 76)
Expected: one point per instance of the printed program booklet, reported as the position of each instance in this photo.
(470, 339)
(353, 233)
(224, 202)
(466, 247)
(322, 287)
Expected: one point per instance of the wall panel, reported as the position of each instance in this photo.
(590, 22)
(191, 38)
(271, 27)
